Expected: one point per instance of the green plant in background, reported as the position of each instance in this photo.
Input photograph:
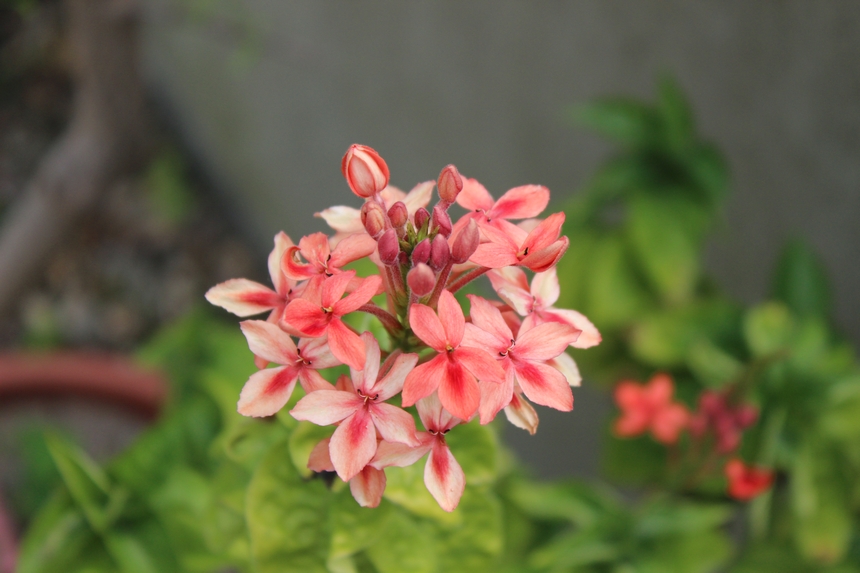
(208, 490)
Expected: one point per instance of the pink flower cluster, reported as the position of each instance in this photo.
(450, 367)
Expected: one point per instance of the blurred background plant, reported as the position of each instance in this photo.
(702, 382)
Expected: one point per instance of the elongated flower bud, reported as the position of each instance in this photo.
(364, 170)
(398, 215)
(373, 218)
(389, 247)
(466, 243)
(441, 220)
(449, 184)
(422, 215)
(421, 252)
(421, 279)
(440, 253)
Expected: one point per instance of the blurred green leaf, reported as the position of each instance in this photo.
(666, 249)
(701, 552)
(302, 442)
(285, 516)
(800, 280)
(841, 420)
(768, 328)
(574, 501)
(634, 461)
(615, 294)
(713, 366)
(664, 517)
(406, 544)
(169, 194)
(405, 487)
(355, 528)
(476, 449)
(628, 122)
(675, 113)
(58, 537)
(475, 541)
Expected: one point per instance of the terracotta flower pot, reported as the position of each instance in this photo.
(112, 379)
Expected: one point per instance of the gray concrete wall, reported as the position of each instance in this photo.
(270, 93)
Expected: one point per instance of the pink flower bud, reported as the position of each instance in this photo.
(398, 214)
(421, 279)
(389, 247)
(441, 220)
(421, 252)
(746, 415)
(440, 253)
(422, 215)
(466, 243)
(364, 170)
(373, 218)
(449, 184)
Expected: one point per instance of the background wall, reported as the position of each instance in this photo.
(268, 95)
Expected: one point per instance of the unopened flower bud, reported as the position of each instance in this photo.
(466, 243)
(421, 252)
(441, 220)
(373, 218)
(403, 259)
(398, 214)
(440, 253)
(421, 279)
(449, 184)
(364, 170)
(389, 247)
(422, 215)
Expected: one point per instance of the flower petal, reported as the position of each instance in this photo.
(545, 288)
(495, 396)
(392, 382)
(361, 295)
(565, 364)
(346, 345)
(590, 335)
(401, 455)
(458, 390)
(451, 317)
(312, 381)
(393, 424)
(365, 379)
(424, 379)
(540, 260)
(544, 341)
(243, 297)
(474, 196)
(544, 385)
(494, 255)
(368, 486)
(267, 391)
(480, 363)
(427, 326)
(434, 417)
(282, 243)
(269, 342)
(326, 407)
(521, 414)
(444, 477)
(352, 248)
(306, 317)
(320, 458)
(521, 203)
(353, 444)
(488, 318)
(419, 196)
(342, 219)
(334, 287)
(546, 233)
(317, 352)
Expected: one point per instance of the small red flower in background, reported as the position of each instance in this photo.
(746, 482)
(726, 420)
(650, 407)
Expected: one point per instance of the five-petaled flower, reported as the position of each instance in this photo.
(746, 482)
(650, 407)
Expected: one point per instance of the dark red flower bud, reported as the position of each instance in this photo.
(449, 184)
(421, 279)
(364, 170)
(421, 252)
(466, 243)
(398, 214)
(422, 215)
(389, 247)
(440, 253)
(373, 218)
(441, 220)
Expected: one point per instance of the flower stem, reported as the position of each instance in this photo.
(391, 324)
(467, 278)
(440, 284)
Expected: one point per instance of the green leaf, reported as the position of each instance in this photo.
(575, 549)
(675, 113)
(474, 543)
(626, 121)
(615, 294)
(85, 480)
(701, 552)
(286, 517)
(141, 549)
(580, 503)
(405, 487)
(800, 280)
(355, 528)
(634, 461)
(476, 449)
(58, 537)
(407, 544)
(711, 364)
(707, 169)
(662, 517)
(841, 420)
(768, 328)
(821, 504)
(666, 249)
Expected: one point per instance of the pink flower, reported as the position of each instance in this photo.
(454, 369)
(521, 202)
(322, 261)
(650, 407)
(509, 245)
(746, 482)
(244, 297)
(535, 302)
(364, 170)
(443, 476)
(320, 313)
(363, 412)
(366, 487)
(268, 390)
(524, 358)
